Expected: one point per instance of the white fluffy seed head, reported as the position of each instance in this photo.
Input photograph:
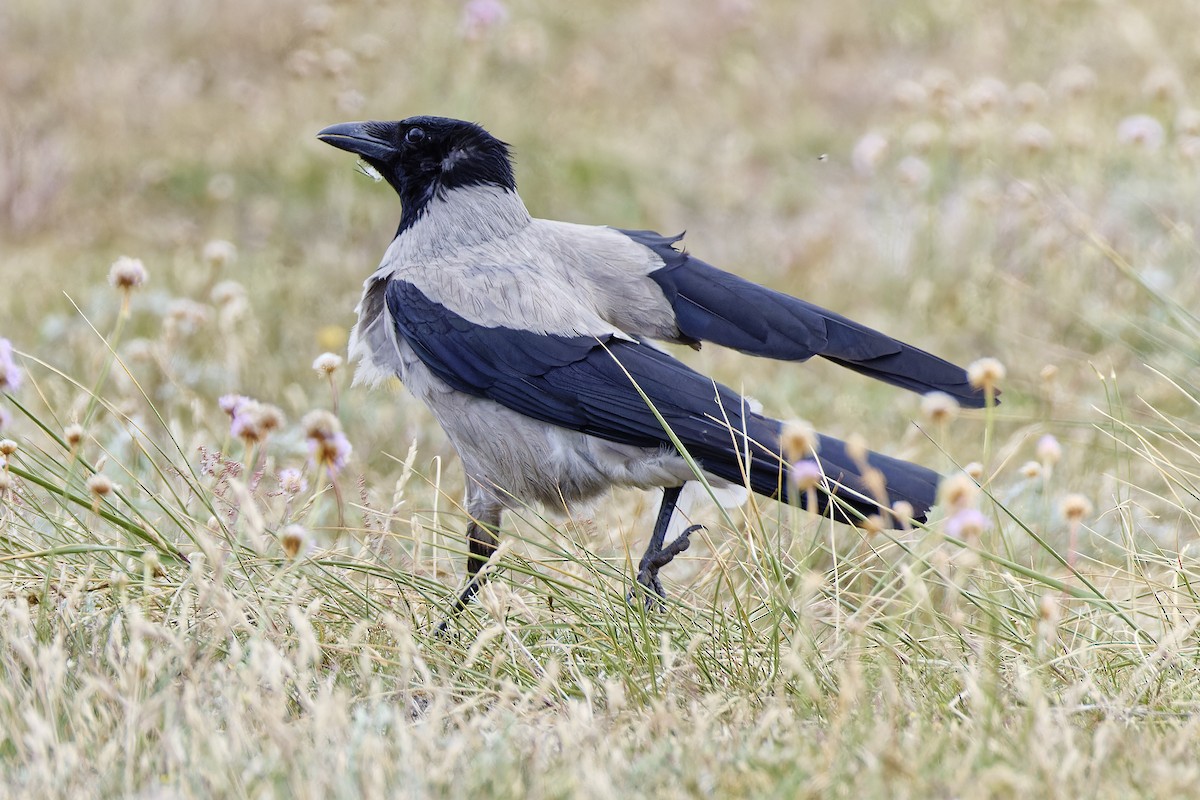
(986, 373)
(219, 253)
(127, 273)
(99, 485)
(939, 407)
(799, 440)
(327, 363)
(1075, 507)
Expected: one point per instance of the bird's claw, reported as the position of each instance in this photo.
(649, 589)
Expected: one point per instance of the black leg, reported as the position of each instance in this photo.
(482, 540)
(656, 556)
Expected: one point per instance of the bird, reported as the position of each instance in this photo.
(536, 345)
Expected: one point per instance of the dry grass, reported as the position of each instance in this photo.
(974, 180)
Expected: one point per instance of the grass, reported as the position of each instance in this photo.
(192, 623)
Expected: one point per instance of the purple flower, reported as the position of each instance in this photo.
(10, 374)
(967, 523)
(292, 481)
(481, 15)
(331, 451)
(230, 403)
(806, 474)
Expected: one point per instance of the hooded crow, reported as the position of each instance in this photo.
(530, 341)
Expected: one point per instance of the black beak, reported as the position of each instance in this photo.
(367, 139)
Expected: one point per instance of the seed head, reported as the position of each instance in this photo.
(922, 136)
(1049, 609)
(985, 95)
(806, 474)
(1141, 130)
(1031, 469)
(292, 481)
(127, 273)
(73, 435)
(1033, 138)
(1030, 96)
(799, 440)
(903, 511)
(320, 425)
(986, 374)
(327, 363)
(939, 407)
(974, 470)
(873, 525)
(254, 421)
(294, 539)
(869, 153)
(7, 447)
(99, 485)
(185, 316)
(333, 452)
(10, 374)
(219, 253)
(959, 491)
(1075, 507)
(967, 524)
(1049, 451)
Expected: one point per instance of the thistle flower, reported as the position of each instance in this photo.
(1049, 451)
(292, 482)
(869, 153)
(1141, 130)
(327, 363)
(73, 435)
(967, 524)
(327, 445)
(806, 474)
(939, 407)
(295, 540)
(219, 253)
(986, 374)
(253, 421)
(799, 439)
(10, 374)
(127, 274)
(1075, 507)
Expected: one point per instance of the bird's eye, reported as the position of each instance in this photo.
(414, 135)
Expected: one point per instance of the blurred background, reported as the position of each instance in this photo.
(1017, 181)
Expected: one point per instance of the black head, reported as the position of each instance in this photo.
(422, 157)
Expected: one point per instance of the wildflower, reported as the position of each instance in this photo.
(7, 447)
(73, 435)
(914, 172)
(1049, 451)
(959, 491)
(127, 274)
(479, 16)
(1141, 130)
(185, 316)
(974, 470)
(939, 407)
(99, 485)
(327, 445)
(1048, 373)
(219, 253)
(327, 363)
(903, 511)
(1162, 84)
(1031, 469)
(1075, 507)
(253, 421)
(292, 481)
(869, 153)
(967, 524)
(985, 95)
(1033, 138)
(986, 374)
(10, 373)
(799, 439)
(1030, 96)
(338, 61)
(1075, 81)
(295, 540)
(806, 474)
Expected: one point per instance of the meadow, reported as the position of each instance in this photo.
(190, 608)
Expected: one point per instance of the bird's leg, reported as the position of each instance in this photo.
(482, 540)
(656, 556)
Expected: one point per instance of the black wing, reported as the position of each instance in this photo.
(591, 385)
(717, 306)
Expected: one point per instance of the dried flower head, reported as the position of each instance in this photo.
(292, 482)
(799, 440)
(1031, 470)
(219, 253)
(1141, 130)
(227, 292)
(327, 363)
(295, 540)
(1033, 138)
(872, 525)
(939, 407)
(923, 135)
(320, 424)
(986, 374)
(127, 273)
(974, 470)
(1049, 451)
(327, 445)
(1187, 122)
(959, 491)
(985, 95)
(903, 511)
(185, 316)
(806, 474)
(1075, 507)
(967, 524)
(73, 435)
(7, 447)
(869, 153)
(99, 485)
(10, 374)
(253, 422)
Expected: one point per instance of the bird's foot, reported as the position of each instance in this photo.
(649, 589)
